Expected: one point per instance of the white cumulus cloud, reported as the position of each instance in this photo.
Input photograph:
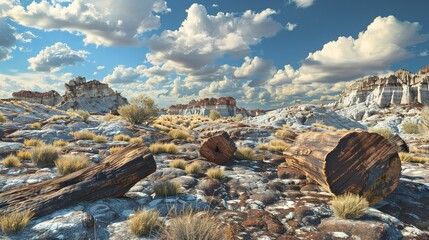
(52, 58)
(302, 3)
(106, 22)
(7, 40)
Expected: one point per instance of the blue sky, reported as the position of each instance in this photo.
(266, 54)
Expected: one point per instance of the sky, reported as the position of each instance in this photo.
(266, 54)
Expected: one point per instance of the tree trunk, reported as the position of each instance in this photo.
(113, 177)
(218, 149)
(358, 162)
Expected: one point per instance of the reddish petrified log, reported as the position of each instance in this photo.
(218, 149)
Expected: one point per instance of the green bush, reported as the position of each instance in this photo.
(214, 115)
(141, 110)
(349, 206)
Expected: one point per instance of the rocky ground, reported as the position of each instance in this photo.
(258, 199)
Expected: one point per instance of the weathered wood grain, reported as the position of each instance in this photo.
(343, 161)
(218, 149)
(113, 177)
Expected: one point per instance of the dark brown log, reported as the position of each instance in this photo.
(357, 162)
(113, 177)
(218, 149)
(400, 144)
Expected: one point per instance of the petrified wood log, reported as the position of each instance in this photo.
(358, 162)
(113, 177)
(400, 144)
(218, 149)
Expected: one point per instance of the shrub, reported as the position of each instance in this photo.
(407, 157)
(244, 153)
(99, 139)
(15, 221)
(385, 132)
(193, 168)
(44, 155)
(349, 206)
(36, 125)
(114, 150)
(201, 226)
(59, 117)
(141, 110)
(79, 113)
(2, 118)
(239, 117)
(72, 163)
(33, 142)
(165, 189)
(59, 143)
(179, 134)
(24, 154)
(109, 117)
(410, 128)
(274, 146)
(163, 148)
(216, 173)
(214, 115)
(136, 140)
(178, 163)
(11, 161)
(144, 222)
(83, 135)
(283, 133)
(122, 137)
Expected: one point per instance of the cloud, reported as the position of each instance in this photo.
(302, 3)
(215, 5)
(424, 53)
(291, 26)
(384, 42)
(52, 58)
(7, 40)
(25, 37)
(107, 22)
(100, 67)
(257, 69)
(121, 74)
(203, 38)
(283, 76)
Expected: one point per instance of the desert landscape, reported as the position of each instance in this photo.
(214, 120)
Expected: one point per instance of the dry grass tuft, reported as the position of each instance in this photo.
(15, 221)
(321, 124)
(72, 163)
(122, 137)
(179, 134)
(109, 117)
(214, 115)
(114, 150)
(178, 163)
(283, 133)
(163, 148)
(36, 125)
(193, 168)
(136, 140)
(44, 155)
(407, 157)
(216, 173)
(349, 206)
(3, 119)
(59, 143)
(274, 146)
(59, 117)
(83, 135)
(165, 189)
(195, 226)
(11, 161)
(99, 139)
(33, 142)
(385, 132)
(24, 154)
(79, 113)
(145, 222)
(244, 153)
(410, 128)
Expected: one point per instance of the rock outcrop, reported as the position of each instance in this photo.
(226, 106)
(50, 98)
(400, 88)
(92, 96)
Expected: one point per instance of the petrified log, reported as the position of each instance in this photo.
(113, 177)
(400, 144)
(218, 149)
(357, 162)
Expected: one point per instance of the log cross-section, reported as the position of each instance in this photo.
(343, 161)
(218, 149)
(113, 177)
